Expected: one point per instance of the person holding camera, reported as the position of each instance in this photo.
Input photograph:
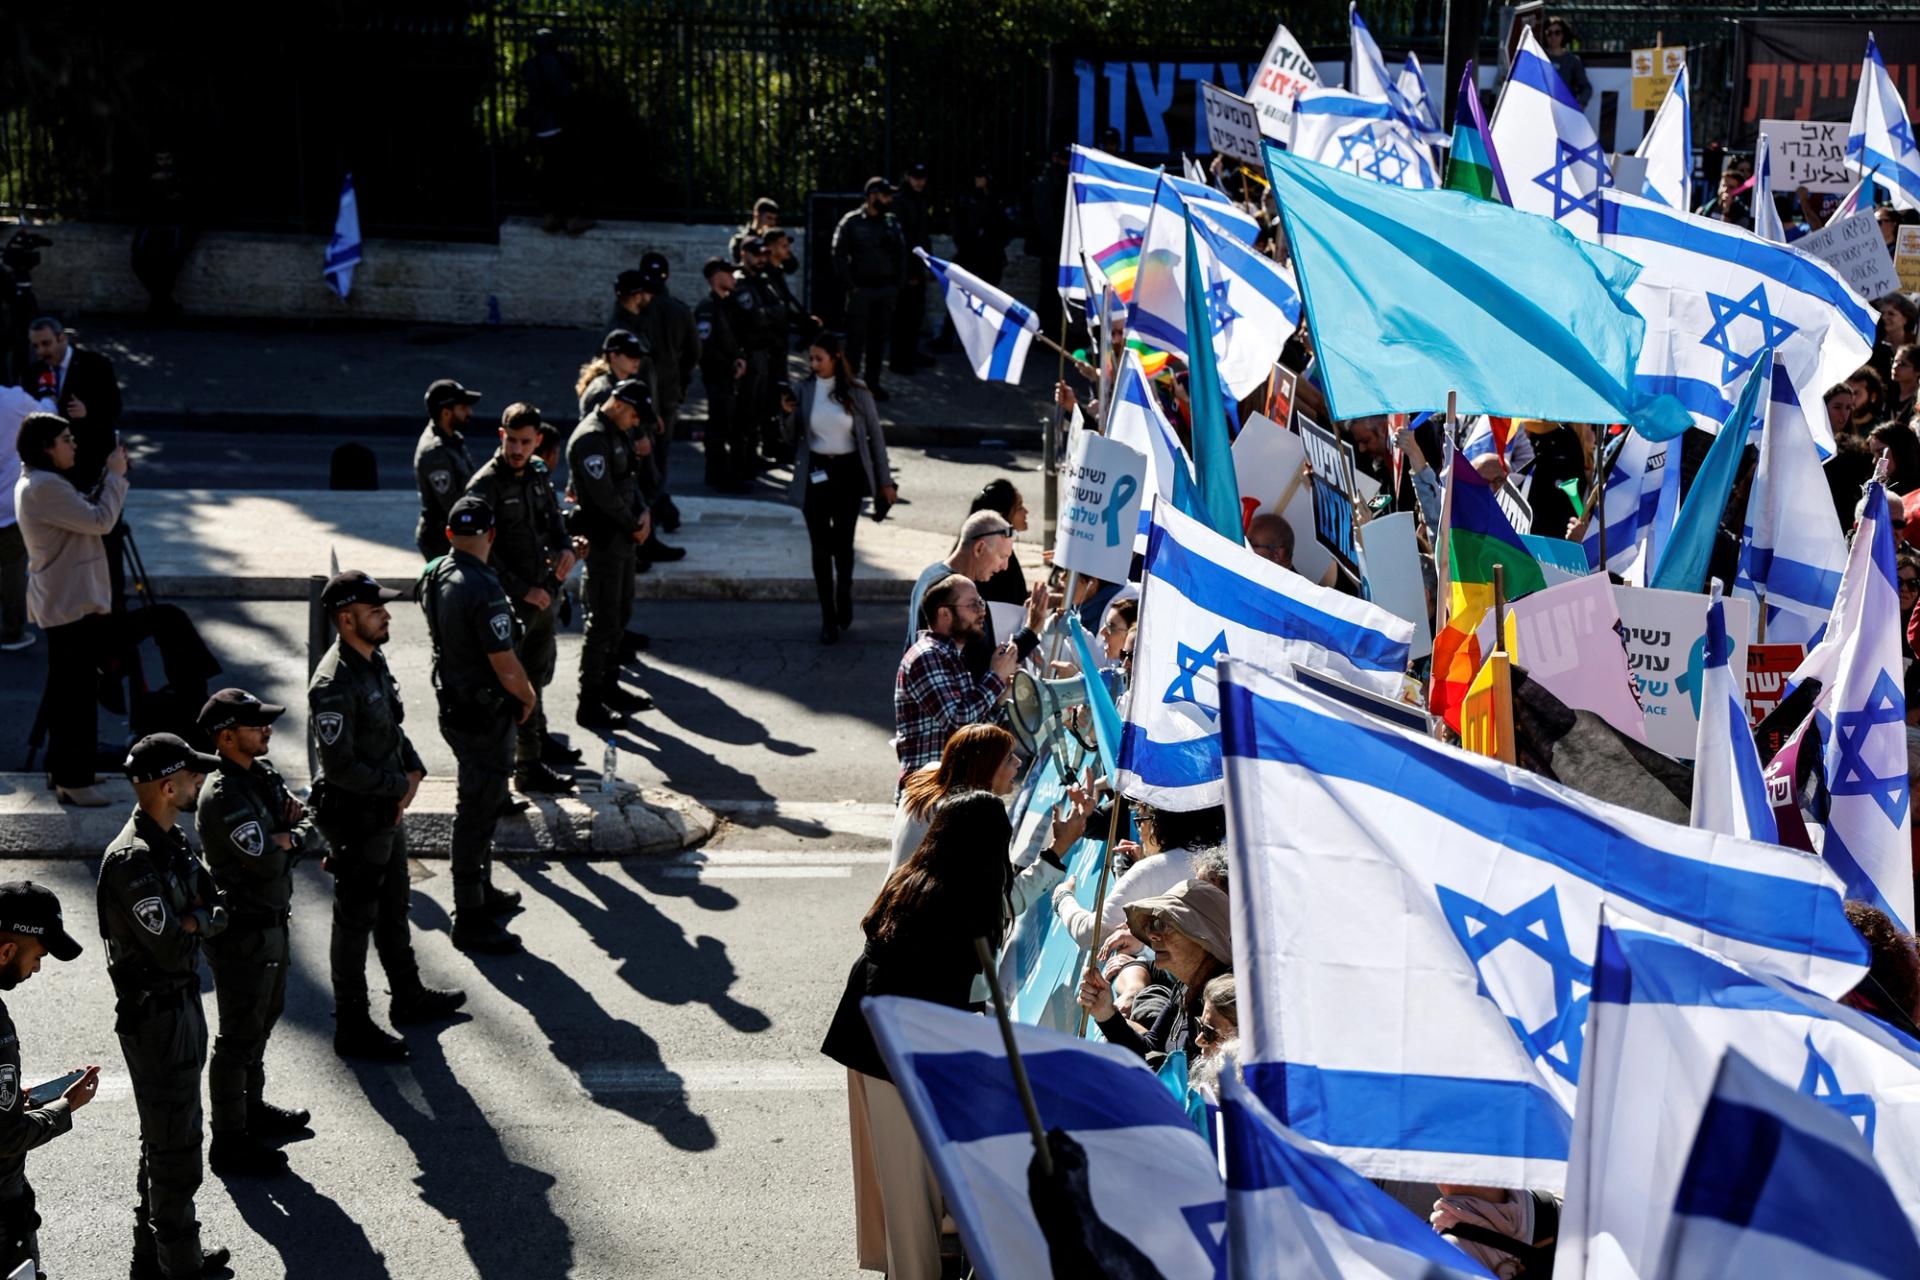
(484, 692)
(368, 775)
(840, 457)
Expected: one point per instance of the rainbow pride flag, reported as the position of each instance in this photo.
(1472, 166)
(1119, 262)
(1479, 536)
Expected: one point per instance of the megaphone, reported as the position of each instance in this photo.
(1038, 707)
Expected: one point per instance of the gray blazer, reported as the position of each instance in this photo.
(869, 442)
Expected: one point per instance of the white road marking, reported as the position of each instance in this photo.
(711, 1077)
(755, 873)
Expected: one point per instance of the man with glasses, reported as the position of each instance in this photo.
(984, 547)
(934, 694)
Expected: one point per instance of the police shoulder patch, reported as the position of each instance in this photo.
(502, 626)
(9, 1086)
(705, 329)
(595, 465)
(151, 915)
(440, 480)
(249, 839)
(328, 725)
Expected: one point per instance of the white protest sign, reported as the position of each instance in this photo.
(1233, 126)
(1277, 84)
(1100, 491)
(1855, 248)
(1810, 154)
(1666, 635)
(1266, 458)
(1394, 580)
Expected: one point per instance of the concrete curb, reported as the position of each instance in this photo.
(626, 822)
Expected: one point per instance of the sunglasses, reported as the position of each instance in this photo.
(1204, 1034)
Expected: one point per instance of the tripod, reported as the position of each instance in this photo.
(119, 656)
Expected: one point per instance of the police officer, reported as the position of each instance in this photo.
(723, 368)
(623, 355)
(870, 256)
(614, 519)
(368, 774)
(779, 275)
(666, 323)
(532, 556)
(440, 462)
(30, 928)
(912, 210)
(483, 692)
(157, 905)
(252, 831)
(760, 326)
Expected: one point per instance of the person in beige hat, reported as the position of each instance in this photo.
(1191, 933)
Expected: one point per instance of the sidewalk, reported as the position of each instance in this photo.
(237, 545)
(370, 377)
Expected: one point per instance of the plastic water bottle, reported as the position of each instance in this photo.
(609, 765)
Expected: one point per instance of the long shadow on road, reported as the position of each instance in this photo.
(314, 1237)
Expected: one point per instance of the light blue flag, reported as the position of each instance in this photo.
(343, 250)
(1778, 1184)
(954, 1076)
(996, 330)
(1729, 792)
(1293, 1210)
(1668, 148)
(1862, 716)
(1880, 140)
(1106, 716)
(1040, 965)
(1682, 565)
(1207, 401)
(1513, 313)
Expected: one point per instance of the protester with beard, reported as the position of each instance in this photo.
(933, 692)
(30, 928)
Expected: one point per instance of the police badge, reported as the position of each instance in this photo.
(151, 915)
(9, 1086)
(595, 464)
(328, 724)
(249, 839)
(440, 480)
(502, 626)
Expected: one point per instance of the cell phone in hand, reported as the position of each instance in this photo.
(45, 1093)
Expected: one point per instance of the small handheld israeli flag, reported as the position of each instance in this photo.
(343, 251)
(996, 330)
(1880, 142)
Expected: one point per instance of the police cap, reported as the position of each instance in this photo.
(34, 911)
(880, 185)
(236, 708)
(631, 281)
(634, 392)
(623, 342)
(161, 755)
(354, 586)
(471, 515)
(446, 392)
(713, 265)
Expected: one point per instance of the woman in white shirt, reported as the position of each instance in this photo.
(840, 458)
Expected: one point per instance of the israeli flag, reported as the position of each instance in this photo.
(1363, 136)
(1664, 1012)
(1668, 148)
(1766, 214)
(1366, 66)
(1417, 103)
(1862, 716)
(1293, 1210)
(1136, 420)
(1253, 301)
(1098, 223)
(343, 251)
(1850, 202)
(1792, 550)
(1729, 795)
(1553, 160)
(1880, 140)
(1417, 926)
(1715, 297)
(1780, 1184)
(1206, 597)
(996, 330)
(1629, 503)
(953, 1074)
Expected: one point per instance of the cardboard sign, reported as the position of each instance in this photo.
(1568, 639)
(1906, 259)
(1394, 579)
(1100, 491)
(1854, 247)
(1654, 71)
(1280, 389)
(1233, 126)
(1768, 666)
(1666, 635)
(1278, 81)
(1333, 467)
(1810, 154)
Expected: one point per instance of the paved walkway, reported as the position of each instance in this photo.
(371, 377)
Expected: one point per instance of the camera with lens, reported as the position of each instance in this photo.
(21, 253)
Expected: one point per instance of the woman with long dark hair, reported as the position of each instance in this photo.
(839, 458)
(978, 757)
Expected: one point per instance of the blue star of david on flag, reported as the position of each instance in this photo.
(1565, 199)
(1219, 310)
(1536, 927)
(1902, 132)
(975, 303)
(1819, 1083)
(1886, 705)
(1352, 142)
(1193, 663)
(1384, 156)
(1773, 330)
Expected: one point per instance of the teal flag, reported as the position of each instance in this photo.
(1106, 716)
(1212, 444)
(1412, 294)
(1689, 548)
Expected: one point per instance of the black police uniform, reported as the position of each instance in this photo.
(760, 326)
(150, 886)
(242, 809)
(441, 468)
(871, 257)
(666, 325)
(719, 349)
(355, 717)
(529, 539)
(25, 1123)
(469, 617)
(910, 307)
(601, 463)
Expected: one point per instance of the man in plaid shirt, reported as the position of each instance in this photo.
(933, 692)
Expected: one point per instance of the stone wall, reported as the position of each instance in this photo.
(529, 278)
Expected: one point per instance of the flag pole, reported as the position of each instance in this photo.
(1050, 450)
(1599, 493)
(1100, 894)
(1020, 1080)
(1449, 460)
(1499, 606)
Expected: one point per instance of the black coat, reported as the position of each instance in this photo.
(90, 380)
(932, 960)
